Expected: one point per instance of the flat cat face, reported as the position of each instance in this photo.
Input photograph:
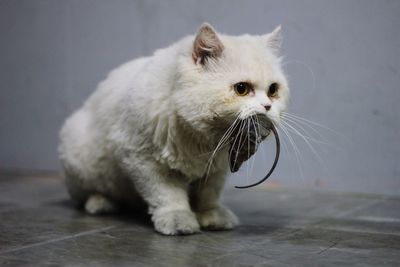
(232, 77)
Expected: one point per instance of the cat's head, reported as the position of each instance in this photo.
(229, 77)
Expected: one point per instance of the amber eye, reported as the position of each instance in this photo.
(242, 88)
(273, 90)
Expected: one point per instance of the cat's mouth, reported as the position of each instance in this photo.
(246, 137)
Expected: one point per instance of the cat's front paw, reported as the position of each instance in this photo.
(219, 218)
(179, 222)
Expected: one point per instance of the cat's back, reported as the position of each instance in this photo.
(142, 80)
(117, 82)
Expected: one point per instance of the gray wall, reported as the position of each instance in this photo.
(342, 61)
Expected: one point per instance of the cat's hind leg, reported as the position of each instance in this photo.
(97, 204)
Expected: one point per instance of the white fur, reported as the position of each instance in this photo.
(148, 130)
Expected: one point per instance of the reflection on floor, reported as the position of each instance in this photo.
(38, 226)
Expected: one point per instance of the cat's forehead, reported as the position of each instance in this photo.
(248, 57)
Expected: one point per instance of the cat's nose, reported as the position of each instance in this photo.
(267, 107)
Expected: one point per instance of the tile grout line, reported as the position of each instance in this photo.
(327, 248)
(56, 240)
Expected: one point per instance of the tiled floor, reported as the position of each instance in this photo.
(38, 226)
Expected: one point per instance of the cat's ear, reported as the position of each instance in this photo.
(274, 40)
(206, 44)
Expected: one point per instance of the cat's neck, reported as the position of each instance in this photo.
(185, 135)
(183, 146)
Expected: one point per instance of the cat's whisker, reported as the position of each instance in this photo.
(284, 142)
(248, 147)
(234, 141)
(302, 126)
(301, 123)
(315, 124)
(260, 126)
(225, 137)
(223, 141)
(257, 144)
(307, 124)
(294, 130)
(295, 149)
(240, 141)
(306, 133)
(251, 142)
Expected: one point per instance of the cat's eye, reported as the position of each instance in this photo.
(242, 88)
(273, 90)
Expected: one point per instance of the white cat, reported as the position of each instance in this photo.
(148, 130)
